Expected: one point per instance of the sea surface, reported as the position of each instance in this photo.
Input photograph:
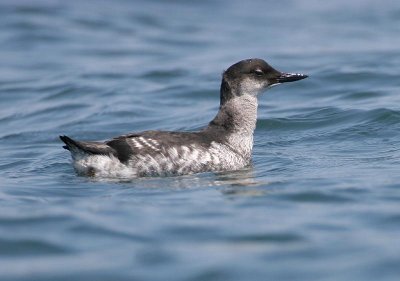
(321, 200)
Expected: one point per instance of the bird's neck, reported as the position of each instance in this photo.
(237, 116)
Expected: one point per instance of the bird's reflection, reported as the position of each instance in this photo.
(243, 177)
(242, 182)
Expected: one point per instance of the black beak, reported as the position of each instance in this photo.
(290, 77)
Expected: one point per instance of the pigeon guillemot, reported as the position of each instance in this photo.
(225, 144)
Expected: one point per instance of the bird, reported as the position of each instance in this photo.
(225, 144)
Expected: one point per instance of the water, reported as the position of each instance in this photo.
(321, 200)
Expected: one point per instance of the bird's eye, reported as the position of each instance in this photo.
(258, 72)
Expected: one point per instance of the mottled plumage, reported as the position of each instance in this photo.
(225, 144)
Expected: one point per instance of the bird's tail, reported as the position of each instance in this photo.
(69, 143)
(85, 147)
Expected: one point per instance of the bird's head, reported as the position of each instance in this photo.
(252, 77)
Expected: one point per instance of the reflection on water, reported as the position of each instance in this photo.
(241, 183)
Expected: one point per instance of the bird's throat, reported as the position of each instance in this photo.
(237, 115)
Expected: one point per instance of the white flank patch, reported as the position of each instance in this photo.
(173, 152)
(136, 143)
(185, 152)
(147, 143)
(103, 166)
(195, 155)
(154, 142)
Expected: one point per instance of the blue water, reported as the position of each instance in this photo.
(321, 200)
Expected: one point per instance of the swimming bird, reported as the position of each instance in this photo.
(225, 144)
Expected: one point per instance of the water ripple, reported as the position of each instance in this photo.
(28, 247)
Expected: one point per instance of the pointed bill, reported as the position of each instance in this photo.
(290, 77)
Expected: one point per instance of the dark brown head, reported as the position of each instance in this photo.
(252, 77)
